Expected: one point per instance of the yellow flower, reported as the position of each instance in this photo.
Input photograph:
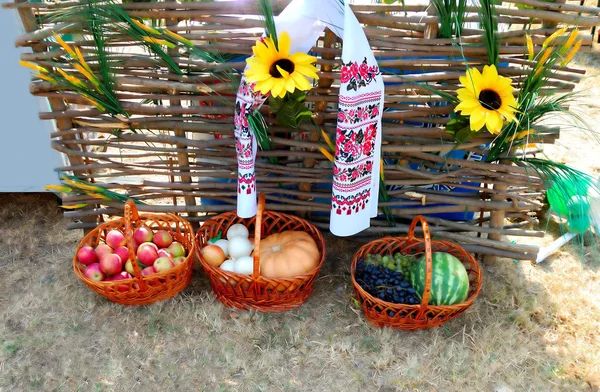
(159, 42)
(145, 28)
(571, 54)
(381, 170)
(65, 46)
(33, 66)
(556, 34)
(276, 71)
(486, 98)
(529, 46)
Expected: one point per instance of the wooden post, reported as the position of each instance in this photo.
(497, 217)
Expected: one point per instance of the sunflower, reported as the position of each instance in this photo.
(276, 71)
(487, 98)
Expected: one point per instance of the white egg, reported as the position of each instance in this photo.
(239, 247)
(237, 230)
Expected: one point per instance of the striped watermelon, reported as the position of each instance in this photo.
(450, 281)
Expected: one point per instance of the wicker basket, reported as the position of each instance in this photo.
(142, 290)
(255, 291)
(420, 316)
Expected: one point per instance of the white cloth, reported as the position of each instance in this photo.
(358, 136)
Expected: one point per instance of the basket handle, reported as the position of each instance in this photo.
(131, 215)
(257, 233)
(428, 254)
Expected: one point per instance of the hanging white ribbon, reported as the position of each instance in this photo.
(358, 136)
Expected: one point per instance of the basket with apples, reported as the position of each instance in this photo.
(268, 263)
(137, 259)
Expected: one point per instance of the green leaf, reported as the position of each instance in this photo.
(292, 114)
(218, 237)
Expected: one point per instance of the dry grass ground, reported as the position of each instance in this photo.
(534, 328)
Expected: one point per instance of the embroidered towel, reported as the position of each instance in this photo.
(358, 135)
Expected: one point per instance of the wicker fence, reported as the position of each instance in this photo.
(181, 158)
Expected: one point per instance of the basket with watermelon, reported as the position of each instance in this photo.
(412, 283)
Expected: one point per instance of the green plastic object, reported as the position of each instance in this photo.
(578, 214)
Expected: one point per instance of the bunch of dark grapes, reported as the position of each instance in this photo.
(375, 276)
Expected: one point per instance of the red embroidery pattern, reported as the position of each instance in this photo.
(358, 114)
(358, 75)
(351, 204)
(247, 183)
(247, 101)
(358, 119)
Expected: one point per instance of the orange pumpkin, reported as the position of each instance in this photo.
(288, 254)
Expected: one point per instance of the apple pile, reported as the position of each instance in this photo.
(110, 261)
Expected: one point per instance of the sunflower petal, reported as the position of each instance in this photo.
(493, 121)
(265, 86)
(290, 86)
(302, 58)
(300, 81)
(477, 119)
(278, 89)
(285, 43)
(307, 70)
(284, 74)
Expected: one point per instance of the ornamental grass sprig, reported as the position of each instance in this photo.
(451, 14)
(531, 106)
(98, 91)
(75, 186)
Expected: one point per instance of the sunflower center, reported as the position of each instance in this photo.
(490, 99)
(285, 64)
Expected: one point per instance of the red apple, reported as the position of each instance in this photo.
(115, 238)
(87, 255)
(162, 239)
(163, 264)
(178, 260)
(147, 254)
(111, 264)
(143, 234)
(176, 249)
(148, 271)
(123, 253)
(93, 272)
(120, 276)
(152, 244)
(102, 250)
(165, 253)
